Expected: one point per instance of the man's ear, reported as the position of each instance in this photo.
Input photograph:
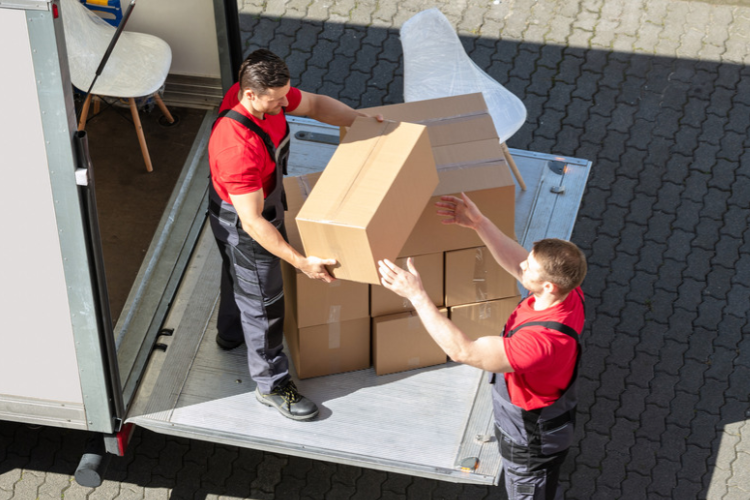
(551, 288)
(248, 94)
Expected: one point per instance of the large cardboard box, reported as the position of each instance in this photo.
(473, 275)
(400, 342)
(468, 158)
(485, 318)
(314, 302)
(368, 199)
(430, 267)
(330, 348)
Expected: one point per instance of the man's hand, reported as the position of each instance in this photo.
(378, 117)
(407, 284)
(461, 211)
(314, 268)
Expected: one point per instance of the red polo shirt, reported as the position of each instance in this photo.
(238, 158)
(543, 360)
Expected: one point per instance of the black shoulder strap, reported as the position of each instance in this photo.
(253, 127)
(553, 325)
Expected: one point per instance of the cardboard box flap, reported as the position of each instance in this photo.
(468, 154)
(482, 177)
(433, 109)
(349, 192)
(443, 118)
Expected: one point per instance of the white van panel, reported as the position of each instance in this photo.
(38, 358)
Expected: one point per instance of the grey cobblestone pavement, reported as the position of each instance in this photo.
(657, 94)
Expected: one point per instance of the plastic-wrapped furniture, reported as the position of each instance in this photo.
(436, 65)
(137, 67)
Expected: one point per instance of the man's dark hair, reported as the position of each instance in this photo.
(263, 70)
(562, 262)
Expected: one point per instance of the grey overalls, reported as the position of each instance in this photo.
(534, 443)
(252, 292)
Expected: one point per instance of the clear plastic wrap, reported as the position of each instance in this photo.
(436, 65)
(137, 66)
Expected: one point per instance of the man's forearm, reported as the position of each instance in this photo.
(450, 339)
(333, 112)
(506, 251)
(271, 239)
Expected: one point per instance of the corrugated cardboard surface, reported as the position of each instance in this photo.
(328, 349)
(473, 275)
(497, 204)
(430, 268)
(314, 302)
(485, 318)
(468, 158)
(369, 197)
(297, 190)
(400, 342)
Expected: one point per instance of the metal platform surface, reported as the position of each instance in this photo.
(420, 422)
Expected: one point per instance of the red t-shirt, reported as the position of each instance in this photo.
(543, 360)
(238, 158)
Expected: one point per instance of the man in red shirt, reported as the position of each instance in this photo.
(247, 153)
(533, 363)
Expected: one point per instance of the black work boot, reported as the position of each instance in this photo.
(289, 402)
(228, 345)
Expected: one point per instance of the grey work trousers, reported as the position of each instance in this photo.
(529, 477)
(252, 301)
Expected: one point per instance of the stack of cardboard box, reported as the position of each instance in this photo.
(331, 328)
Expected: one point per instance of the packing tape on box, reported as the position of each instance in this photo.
(480, 275)
(334, 314)
(347, 191)
(413, 362)
(485, 311)
(447, 120)
(304, 186)
(334, 335)
(444, 167)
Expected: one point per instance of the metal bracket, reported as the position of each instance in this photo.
(469, 464)
(556, 166)
(82, 176)
(165, 332)
(303, 135)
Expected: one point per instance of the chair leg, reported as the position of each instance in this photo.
(97, 105)
(139, 131)
(513, 167)
(163, 108)
(84, 113)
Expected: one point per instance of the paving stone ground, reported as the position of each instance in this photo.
(657, 95)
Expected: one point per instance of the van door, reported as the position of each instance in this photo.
(57, 357)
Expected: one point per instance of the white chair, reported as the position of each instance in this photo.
(137, 67)
(436, 65)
